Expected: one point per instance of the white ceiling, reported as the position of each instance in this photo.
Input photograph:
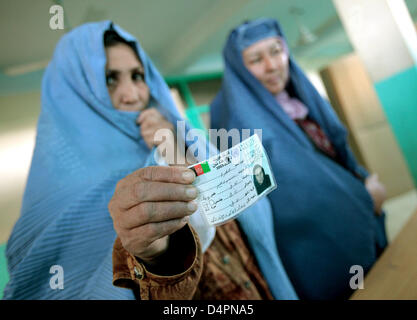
(181, 36)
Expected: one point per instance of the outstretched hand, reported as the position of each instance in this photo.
(149, 205)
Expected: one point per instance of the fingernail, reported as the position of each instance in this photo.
(188, 175)
(191, 192)
(192, 206)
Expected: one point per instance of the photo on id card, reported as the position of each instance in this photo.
(233, 180)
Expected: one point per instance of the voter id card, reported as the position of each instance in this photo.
(233, 180)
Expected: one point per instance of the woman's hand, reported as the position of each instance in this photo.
(377, 191)
(150, 121)
(149, 205)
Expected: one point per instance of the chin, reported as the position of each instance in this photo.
(273, 89)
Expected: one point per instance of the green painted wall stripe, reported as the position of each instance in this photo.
(192, 111)
(398, 96)
(171, 80)
(193, 115)
(12, 85)
(186, 93)
(4, 275)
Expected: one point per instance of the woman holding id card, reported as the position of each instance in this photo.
(97, 206)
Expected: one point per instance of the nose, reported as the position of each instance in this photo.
(129, 92)
(270, 63)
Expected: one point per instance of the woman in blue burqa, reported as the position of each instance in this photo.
(90, 136)
(327, 209)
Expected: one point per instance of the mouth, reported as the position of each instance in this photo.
(132, 107)
(273, 81)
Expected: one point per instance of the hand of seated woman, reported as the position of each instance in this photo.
(377, 191)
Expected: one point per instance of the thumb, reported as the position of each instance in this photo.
(143, 114)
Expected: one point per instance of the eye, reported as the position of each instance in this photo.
(276, 50)
(111, 79)
(255, 60)
(138, 76)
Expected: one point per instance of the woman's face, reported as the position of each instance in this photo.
(259, 175)
(268, 62)
(125, 79)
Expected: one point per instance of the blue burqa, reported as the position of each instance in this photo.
(323, 216)
(84, 146)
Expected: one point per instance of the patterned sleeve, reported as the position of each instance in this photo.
(129, 272)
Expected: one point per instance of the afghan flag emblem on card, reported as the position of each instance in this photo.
(201, 168)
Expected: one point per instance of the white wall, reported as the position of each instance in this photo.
(18, 118)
